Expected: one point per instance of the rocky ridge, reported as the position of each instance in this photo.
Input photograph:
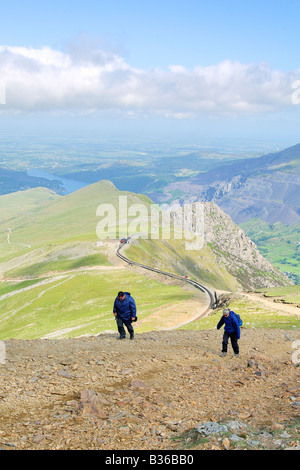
(233, 248)
(162, 391)
(265, 187)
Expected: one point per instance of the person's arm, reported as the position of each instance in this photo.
(115, 308)
(132, 308)
(236, 327)
(221, 323)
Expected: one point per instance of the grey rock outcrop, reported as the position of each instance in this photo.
(233, 248)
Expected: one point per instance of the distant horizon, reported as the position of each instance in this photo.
(32, 135)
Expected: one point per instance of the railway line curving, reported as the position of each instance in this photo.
(211, 300)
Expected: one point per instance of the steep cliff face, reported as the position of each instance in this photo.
(206, 245)
(234, 250)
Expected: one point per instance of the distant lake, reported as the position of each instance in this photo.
(69, 185)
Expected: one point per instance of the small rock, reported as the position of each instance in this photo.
(90, 405)
(259, 373)
(72, 403)
(38, 438)
(251, 363)
(138, 384)
(64, 373)
(236, 426)
(235, 438)
(66, 362)
(211, 428)
(253, 443)
(226, 443)
(244, 415)
(9, 444)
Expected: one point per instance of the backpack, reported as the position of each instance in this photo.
(240, 321)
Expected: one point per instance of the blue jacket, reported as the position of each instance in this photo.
(125, 309)
(231, 324)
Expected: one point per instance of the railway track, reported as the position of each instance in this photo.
(211, 299)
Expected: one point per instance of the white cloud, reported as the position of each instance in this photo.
(45, 79)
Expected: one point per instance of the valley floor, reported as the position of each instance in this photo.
(150, 393)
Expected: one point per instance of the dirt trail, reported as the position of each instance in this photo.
(285, 308)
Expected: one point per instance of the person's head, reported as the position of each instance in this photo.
(226, 312)
(121, 295)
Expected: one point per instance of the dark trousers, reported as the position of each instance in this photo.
(121, 328)
(234, 342)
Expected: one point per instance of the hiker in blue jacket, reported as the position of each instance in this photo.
(231, 330)
(125, 312)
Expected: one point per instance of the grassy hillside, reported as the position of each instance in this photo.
(80, 303)
(255, 313)
(171, 256)
(38, 226)
(287, 295)
(71, 217)
(278, 243)
(253, 317)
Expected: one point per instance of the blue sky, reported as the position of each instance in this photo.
(220, 66)
(161, 33)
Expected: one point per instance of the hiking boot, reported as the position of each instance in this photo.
(223, 354)
(237, 355)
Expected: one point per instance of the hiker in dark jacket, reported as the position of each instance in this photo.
(231, 330)
(125, 312)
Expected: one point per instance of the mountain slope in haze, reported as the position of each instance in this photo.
(267, 187)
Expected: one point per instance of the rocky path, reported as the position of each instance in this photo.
(151, 393)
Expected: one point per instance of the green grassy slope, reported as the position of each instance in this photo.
(79, 303)
(253, 316)
(33, 233)
(171, 256)
(278, 243)
(288, 295)
(64, 218)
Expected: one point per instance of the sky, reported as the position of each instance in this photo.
(218, 68)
